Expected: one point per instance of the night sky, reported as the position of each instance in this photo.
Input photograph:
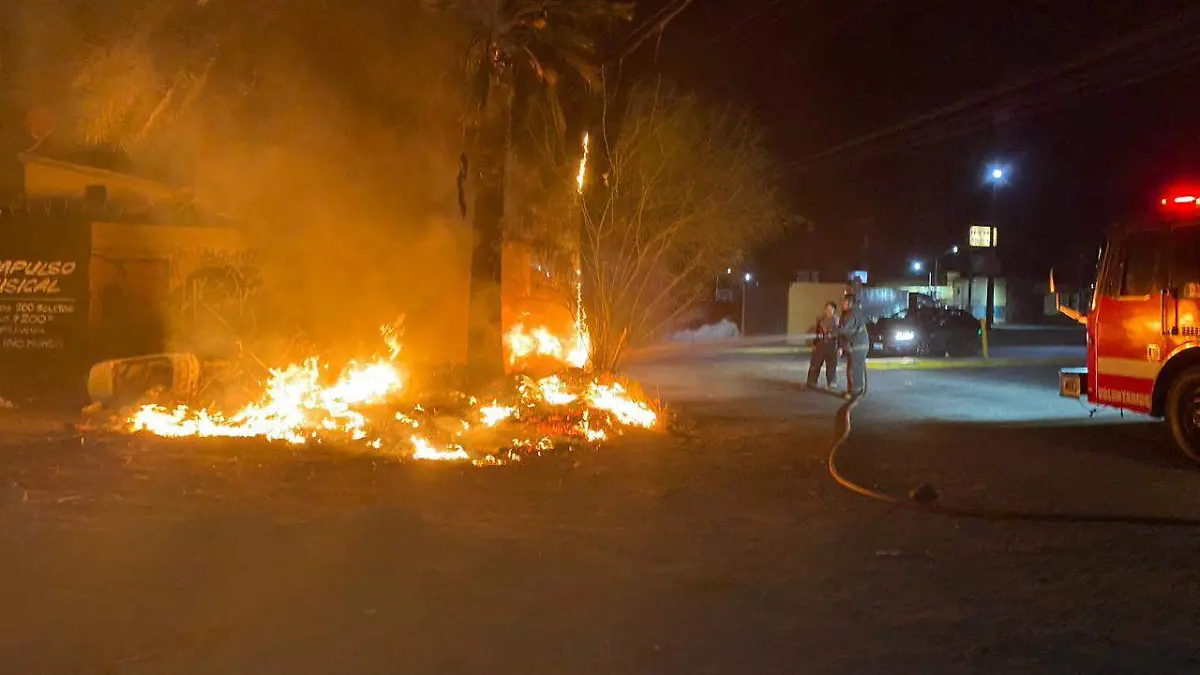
(1086, 147)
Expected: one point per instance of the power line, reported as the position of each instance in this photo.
(747, 17)
(1149, 61)
(655, 24)
(1018, 109)
(838, 23)
(1163, 27)
(1181, 59)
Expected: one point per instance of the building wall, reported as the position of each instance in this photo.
(51, 178)
(170, 288)
(805, 303)
(943, 294)
(978, 294)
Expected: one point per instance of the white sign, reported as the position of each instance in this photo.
(982, 236)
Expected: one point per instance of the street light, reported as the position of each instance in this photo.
(935, 279)
(919, 266)
(997, 175)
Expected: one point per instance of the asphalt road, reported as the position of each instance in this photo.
(1023, 596)
(723, 548)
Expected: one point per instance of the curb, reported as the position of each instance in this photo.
(950, 364)
(918, 363)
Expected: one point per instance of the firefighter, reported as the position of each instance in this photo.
(852, 331)
(825, 347)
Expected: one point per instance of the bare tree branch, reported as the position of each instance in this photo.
(688, 193)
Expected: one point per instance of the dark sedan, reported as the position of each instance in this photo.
(926, 331)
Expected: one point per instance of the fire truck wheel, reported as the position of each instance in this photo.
(1183, 412)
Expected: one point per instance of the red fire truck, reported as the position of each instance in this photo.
(1143, 327)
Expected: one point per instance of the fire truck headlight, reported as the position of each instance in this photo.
(905, 336)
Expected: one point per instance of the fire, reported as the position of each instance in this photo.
(554, 392)
(302, 403)
(494, 414)
(582, 165)
(616, 400)
(294, 406)
(524, 343)
(426, 451)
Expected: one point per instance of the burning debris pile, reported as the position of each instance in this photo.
(369, 404)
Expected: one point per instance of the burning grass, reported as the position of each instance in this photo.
(369, 404)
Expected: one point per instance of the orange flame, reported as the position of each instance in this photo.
(301, 404)
(582, 165)
(524, 343)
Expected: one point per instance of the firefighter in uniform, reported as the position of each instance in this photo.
(825, 348)
(854, 340)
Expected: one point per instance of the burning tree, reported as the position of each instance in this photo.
(688, 192)
(519, 51)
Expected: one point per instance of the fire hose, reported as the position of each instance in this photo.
(922, 499)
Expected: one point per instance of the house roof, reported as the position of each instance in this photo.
(151, 188)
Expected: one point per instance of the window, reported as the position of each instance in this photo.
(1185, 263)
(1144, 268)
(1108, 273)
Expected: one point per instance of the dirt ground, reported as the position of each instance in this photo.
(132, 551)
(720, 547)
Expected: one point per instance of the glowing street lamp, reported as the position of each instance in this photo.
(919, 266)
(997, 174)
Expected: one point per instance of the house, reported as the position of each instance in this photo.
(96, 264)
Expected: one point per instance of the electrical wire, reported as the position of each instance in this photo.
(747, 17)
(988, 98)
(837, 23)
(657, 23)
(842, 433)
(954, 127)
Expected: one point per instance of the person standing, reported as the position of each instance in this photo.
(853, 333)
(825, 347)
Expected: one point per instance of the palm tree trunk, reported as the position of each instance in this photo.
(485, 347)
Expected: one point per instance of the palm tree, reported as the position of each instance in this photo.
(519, 53)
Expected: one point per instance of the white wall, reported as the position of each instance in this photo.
(979, 297)
(806, 301)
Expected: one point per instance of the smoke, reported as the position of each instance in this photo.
(329, 133)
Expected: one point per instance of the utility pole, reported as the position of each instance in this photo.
(990, 307)
(745, 284)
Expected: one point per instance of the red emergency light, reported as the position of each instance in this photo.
(1181, 201)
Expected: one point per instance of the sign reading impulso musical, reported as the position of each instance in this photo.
(43, 291)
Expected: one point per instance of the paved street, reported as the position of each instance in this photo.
(723, 548)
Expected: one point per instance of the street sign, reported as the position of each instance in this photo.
(982, 236)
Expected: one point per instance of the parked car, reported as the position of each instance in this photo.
(926, 331)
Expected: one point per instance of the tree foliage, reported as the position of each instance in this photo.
(688, 192)
(518, 56)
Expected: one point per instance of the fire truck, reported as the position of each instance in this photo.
(1143, 325)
